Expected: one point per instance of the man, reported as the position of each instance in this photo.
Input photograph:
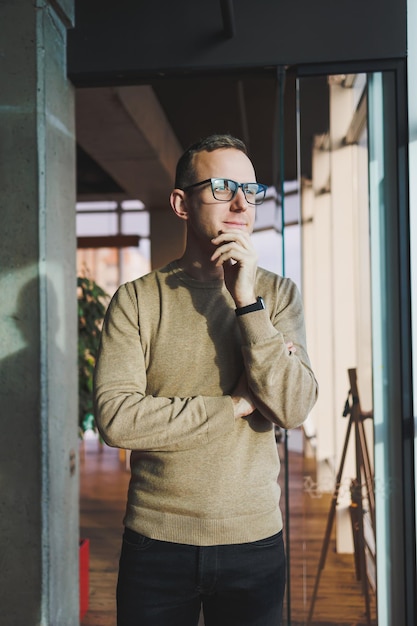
(198, 361)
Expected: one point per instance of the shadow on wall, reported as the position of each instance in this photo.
(23, 432)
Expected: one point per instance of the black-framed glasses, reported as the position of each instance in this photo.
(224, 189)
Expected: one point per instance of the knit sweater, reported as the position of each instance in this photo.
(172, 350)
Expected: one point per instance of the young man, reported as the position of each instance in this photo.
(198, 361)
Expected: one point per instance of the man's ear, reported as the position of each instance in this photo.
(178, 204)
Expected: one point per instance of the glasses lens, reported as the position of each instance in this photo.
(223, 189)
(254, 192)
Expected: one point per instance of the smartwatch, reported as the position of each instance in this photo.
(256, 306)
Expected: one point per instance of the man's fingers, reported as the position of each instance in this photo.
(291, 347)
(229, 251)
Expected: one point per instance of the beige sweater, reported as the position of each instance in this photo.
(172, 351)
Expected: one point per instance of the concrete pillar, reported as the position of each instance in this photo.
(39, 527)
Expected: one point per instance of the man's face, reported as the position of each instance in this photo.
(208, 216)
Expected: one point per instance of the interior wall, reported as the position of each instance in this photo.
(167, 237)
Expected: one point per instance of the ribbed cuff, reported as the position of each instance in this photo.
(256, 327)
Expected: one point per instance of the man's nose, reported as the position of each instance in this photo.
(239, 202)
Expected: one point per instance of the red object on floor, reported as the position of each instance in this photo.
(84, 575)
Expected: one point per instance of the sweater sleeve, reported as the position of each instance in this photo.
(126, 415)
(283, 384)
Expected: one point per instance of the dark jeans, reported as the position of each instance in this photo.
(165, 584)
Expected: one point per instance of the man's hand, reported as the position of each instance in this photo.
(238, 257)
(242, 399)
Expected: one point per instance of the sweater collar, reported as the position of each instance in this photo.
(182, 276)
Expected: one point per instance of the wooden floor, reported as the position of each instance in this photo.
(339, 601)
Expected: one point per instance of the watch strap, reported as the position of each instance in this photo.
(256, 306)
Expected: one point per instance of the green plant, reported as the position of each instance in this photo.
(92, 304)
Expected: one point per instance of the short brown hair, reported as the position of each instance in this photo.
(184, 174)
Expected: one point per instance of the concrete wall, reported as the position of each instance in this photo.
(38, 326)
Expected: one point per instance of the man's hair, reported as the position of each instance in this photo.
(184, 174)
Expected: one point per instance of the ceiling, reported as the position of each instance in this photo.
(130, 137)
(133, 120)
(151, 78)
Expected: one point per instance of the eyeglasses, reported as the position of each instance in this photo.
(224, 189)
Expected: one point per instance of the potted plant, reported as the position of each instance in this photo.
(92, 304)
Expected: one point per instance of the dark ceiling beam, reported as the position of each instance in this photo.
(263, 34)
(228, 15)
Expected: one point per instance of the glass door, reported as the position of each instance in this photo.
(346, 504)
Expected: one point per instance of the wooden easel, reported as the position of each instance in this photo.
(364, 479)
